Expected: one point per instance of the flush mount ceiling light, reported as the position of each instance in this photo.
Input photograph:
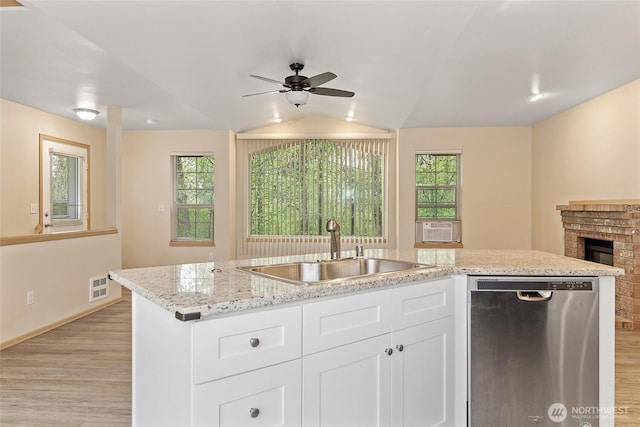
(86, 113)
(297, 97)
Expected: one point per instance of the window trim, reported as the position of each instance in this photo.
(458, 187)
(174, 241)
(85, 222)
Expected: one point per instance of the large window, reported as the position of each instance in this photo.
(193, 198)
(64, 184)
(437, 186)
(297, 185)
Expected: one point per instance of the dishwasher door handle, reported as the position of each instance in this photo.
(534, 296)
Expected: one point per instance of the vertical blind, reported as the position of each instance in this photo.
(294, 186)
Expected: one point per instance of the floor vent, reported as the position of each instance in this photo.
(98, 288)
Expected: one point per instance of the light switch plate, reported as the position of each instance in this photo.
(34, 208)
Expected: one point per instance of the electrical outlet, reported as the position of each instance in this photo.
(210, 256)
(30, 296)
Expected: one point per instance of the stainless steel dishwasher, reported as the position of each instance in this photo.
(533, 351)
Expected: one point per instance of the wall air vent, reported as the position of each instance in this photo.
(98, 288)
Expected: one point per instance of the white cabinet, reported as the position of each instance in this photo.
(378, 358)
(348, 386)
(399, 374)
(422, 391)
(232, 345)
(265, 397)
(229, 371)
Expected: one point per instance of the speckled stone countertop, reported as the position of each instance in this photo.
(204, 289)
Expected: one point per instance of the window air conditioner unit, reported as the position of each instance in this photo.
(438, 231)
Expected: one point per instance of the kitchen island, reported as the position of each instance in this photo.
(210, 339)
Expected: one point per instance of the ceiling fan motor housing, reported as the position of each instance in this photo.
(295, 82)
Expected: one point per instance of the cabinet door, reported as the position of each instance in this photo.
(423, 375)
(348, 386)
(422, 302)
(265, 397)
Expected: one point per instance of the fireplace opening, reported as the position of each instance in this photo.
(600, 251)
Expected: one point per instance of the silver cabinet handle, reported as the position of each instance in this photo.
(254, 343)
(389, 351)
(254, 412)
(400, 347)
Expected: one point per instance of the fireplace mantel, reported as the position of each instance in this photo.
(610, 220)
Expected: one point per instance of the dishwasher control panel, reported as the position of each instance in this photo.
(517, 283)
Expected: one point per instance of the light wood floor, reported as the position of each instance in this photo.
(76, 375)
(80, 374)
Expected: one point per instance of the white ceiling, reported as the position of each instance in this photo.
(186, 64)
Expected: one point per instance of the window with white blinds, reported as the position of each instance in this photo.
(296, 185)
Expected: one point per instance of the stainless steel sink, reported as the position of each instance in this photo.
(333, 270)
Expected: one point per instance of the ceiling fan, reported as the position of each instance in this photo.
(297, 87)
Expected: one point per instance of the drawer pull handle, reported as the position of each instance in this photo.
(254, 343)
(254, 412)
(389, 351)
(400, 347)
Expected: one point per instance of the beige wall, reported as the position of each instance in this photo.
(58, 272)
(496, 183)
(146, 184)
(591, 152)
(19, 167)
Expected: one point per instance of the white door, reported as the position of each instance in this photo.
(64, 185)
(264, 397)
(348, 386)
(423, 375)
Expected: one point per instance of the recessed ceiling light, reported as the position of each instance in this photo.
(86, 113)
(152, 121)
(535, 97)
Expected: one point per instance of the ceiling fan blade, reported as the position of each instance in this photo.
(320, 79)
(331, 92)
(266, 79)
(262, 93)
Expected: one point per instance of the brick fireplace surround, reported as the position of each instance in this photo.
(619, 222)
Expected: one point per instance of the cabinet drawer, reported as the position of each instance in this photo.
(423, 302)
(266, 397)
(335, 322)
(231, 345)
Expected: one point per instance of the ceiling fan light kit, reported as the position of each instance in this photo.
(297, 97)
(297, 87)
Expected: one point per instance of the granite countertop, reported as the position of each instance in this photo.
(204, 289)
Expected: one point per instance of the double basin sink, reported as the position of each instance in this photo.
(306, 273)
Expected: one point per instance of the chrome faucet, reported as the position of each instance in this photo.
(334, 228)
